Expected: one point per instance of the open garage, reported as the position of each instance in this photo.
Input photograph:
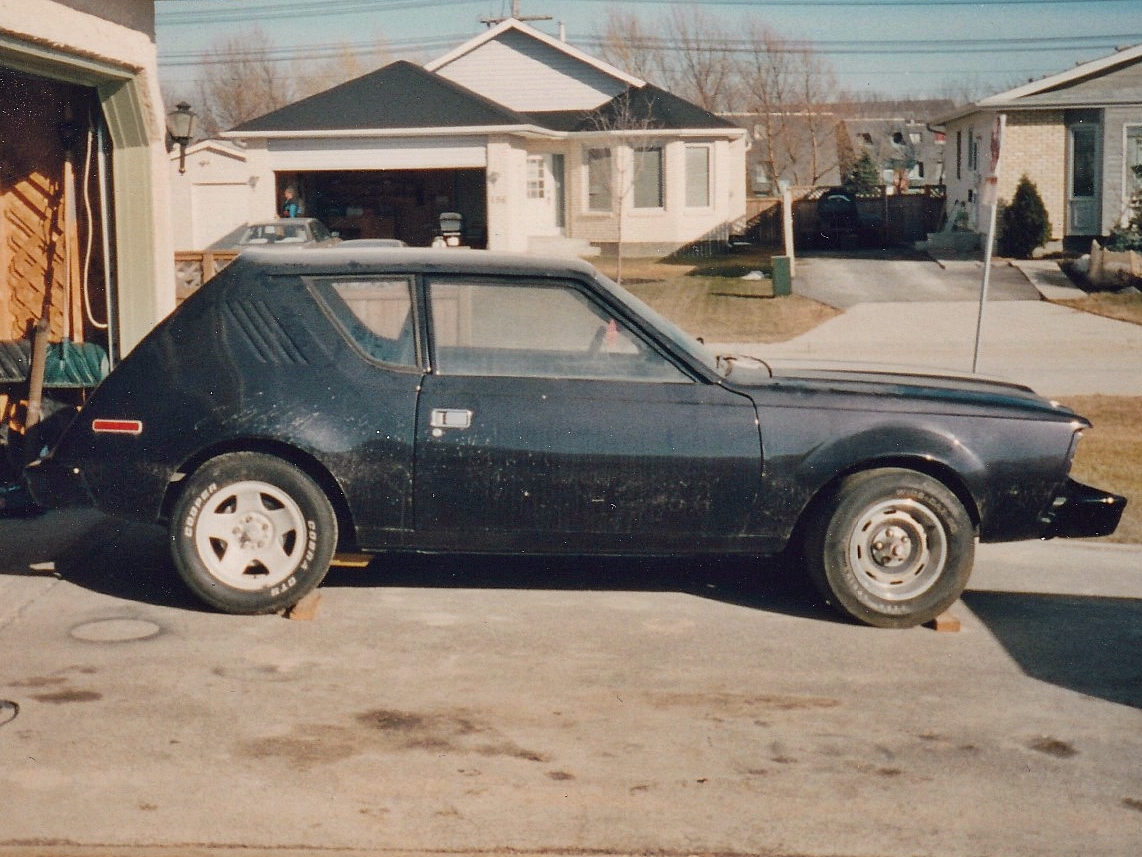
(398, 203)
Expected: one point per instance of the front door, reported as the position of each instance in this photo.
(549, 424)
(1083, 180)
(545, 199)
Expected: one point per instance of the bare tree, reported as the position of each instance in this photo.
(791, 89)
(701, 59)
(626, 42)
(625, 154)
(240, 81)
(347, 63)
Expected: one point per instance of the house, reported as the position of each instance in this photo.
(539, 147)
(1077, 135)
(811, 148)
(84, 206)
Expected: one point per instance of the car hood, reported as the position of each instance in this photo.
(940, 389)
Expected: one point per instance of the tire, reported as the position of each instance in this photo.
(252, 534)
(892, 548)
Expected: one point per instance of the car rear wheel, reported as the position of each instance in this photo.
(892, 548)
(251, 533)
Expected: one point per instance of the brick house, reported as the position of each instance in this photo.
(1076, 135)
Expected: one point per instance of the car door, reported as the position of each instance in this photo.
(550, 423)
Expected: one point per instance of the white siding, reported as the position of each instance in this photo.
(527, 75)
(413, 153)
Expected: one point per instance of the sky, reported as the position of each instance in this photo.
(896, 48)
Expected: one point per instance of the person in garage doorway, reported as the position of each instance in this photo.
(291, 205)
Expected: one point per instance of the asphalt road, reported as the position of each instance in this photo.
(468, 705)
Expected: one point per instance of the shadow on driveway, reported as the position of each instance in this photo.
(1087, 644)
(132, 561)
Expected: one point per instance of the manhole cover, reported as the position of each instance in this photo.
(115, 631)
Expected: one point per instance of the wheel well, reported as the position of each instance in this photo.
(298, 458)
(938, 471)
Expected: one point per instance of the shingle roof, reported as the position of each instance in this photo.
(400, 95)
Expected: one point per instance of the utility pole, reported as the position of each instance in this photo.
(491, 22)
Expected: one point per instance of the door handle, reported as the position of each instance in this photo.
(450, 418)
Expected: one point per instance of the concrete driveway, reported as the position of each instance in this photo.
(473, 706)
(917, 312)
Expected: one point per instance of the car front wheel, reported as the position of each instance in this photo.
(892, 548)
(251, 533)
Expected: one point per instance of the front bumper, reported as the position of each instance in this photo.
(1080, 511)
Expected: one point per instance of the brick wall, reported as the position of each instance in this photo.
(1035, 144)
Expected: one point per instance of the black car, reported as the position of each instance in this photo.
(303, 403)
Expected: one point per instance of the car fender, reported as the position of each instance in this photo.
(926, 449)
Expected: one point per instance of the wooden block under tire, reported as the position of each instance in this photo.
(946, 621)
(304, 610)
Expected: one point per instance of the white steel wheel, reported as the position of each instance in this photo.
(891, 547)
(252, 534)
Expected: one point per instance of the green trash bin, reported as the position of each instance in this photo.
(782, 276)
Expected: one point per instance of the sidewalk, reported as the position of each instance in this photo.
(907, 313)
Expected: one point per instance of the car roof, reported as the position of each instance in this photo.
(342, 258)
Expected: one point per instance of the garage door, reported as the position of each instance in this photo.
(217, 209)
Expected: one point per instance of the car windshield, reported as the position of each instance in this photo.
(320, 232)
(686, 343)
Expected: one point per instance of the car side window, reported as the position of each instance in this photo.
(538, 330)
(376, 313)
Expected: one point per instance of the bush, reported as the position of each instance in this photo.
(1129, 237)
(1024, 225)
(863, 176)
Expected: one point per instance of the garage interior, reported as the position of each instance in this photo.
(55, 249)
(402, 204)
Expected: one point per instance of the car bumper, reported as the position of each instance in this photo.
(52, 485)
(1080, 511)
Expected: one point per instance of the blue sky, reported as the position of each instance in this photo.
(895, 47)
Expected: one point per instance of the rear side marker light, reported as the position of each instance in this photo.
(117, 426)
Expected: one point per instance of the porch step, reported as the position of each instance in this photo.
(559, 245)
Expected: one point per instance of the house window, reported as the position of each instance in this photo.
(535, 177)
(697, 176)
(1133, 160)
(599, 174)
(648, 178)
(973, 150)
(959, 154)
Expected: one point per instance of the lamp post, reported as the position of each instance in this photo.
(180, 127)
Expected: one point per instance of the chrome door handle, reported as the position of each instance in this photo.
(450, 418)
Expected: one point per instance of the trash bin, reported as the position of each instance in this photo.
(782, 278)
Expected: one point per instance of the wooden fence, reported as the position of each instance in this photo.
(192, 268)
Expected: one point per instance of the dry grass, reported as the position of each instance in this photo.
(709, 299)
(1124, 306)
(1110, 454)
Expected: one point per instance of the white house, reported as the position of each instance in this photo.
(82, 130)
(538, 145)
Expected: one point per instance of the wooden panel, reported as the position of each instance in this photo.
(41, 256)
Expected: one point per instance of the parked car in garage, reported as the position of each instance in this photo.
(286, 232)
(414, 400)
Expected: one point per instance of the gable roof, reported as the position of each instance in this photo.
(399, 96)
(512, 24)
(646, 107)
(1070, 88)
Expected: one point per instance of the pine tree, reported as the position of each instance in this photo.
(1024, 225)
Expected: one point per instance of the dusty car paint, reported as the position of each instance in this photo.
(731, 457)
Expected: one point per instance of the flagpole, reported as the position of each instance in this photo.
(991, 192)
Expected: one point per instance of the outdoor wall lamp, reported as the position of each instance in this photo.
(180, 126)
